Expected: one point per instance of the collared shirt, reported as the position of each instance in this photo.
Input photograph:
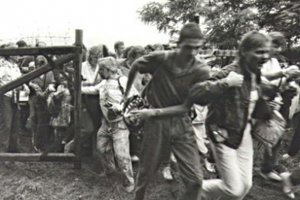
(168, 87)
(9, 71)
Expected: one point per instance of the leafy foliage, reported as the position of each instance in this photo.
(226, 20)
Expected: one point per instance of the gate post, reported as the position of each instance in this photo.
(77, 98)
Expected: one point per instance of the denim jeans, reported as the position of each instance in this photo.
(162, 136)
(235, 168)
(113, 142)
(295, 177)
(8, 125)
(271, 162)
(294, 146)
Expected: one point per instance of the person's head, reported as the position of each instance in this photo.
(119, 47)
(278, 42)
(62, 79)
(254, 50)
(94, 54)
(21, 44)
(135, 52)
(107, 67)
(190, 40)
(158, 47)
(11, 45)
(40, 43)
(149, 48)
(126, 51)
(40, 61)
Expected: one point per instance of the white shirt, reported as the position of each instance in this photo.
(9, 71)
(109, 92)
(270, 67)
(253, 96)
(88, 73)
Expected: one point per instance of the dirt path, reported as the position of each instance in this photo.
(58, 181)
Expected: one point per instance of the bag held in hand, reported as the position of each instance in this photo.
(269, 131)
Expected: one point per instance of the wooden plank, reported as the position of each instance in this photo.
(36, 73)
(38, 50)
(36, 157)
(77, 98)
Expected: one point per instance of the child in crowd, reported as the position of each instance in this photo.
(59, 106)
(113, 135)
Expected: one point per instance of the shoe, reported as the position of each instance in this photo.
(210, 167)
(166, 172)
(290, 194)
(287, 185)
(134, 158)
(273, 176)
(129, 188)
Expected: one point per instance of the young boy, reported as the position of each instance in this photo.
(113, 135)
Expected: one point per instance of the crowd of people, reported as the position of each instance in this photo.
(191, 112)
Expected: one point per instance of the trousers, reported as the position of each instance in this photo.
(235, 168)
(162, 136)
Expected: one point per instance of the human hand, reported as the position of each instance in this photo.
(140, 114)
(123, 101)
(275, 105)
(234, 79)
(51, 88)
(117, 107)
(292, 71)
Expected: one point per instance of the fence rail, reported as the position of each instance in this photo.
(73, 53)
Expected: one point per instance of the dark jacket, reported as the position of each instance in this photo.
(228, 107)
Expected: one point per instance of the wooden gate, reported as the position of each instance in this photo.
(70, 53)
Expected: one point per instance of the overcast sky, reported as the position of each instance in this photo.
(102, 21)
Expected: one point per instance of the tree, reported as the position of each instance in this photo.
(226, 20)
(167, 16)
(283, 16)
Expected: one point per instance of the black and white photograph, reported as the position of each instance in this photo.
(150, 100)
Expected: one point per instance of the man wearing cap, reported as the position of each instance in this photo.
(113, 135)
(173, 73)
